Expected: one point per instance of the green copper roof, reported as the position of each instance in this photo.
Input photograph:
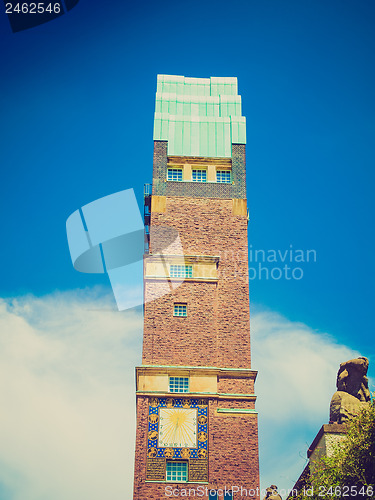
(198, 116)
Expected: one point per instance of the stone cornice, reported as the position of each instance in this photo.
(201, 370)
(216, 395)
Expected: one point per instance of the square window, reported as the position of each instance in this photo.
(177, 472)
(224, 176)
(178, 384)
(174, 174)
(180, 310)
(178, 271)
(199, 175)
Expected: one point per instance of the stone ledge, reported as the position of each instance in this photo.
(326, 429)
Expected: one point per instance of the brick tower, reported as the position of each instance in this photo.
(196, 418)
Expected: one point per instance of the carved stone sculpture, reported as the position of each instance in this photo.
(271, 493)
(352, 390)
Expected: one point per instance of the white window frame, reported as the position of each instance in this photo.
(172, 172)
(180, 271)
(178, 384)
(220, 171)
(179, 307)
(174, 465)
(202, 173)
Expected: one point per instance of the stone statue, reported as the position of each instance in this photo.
(271, 493)
(352, 390)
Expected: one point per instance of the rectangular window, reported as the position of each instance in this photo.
(179, 271)
(199, 175)
(179, 309)
(223, 176)
(213, 495)
(174, 174)
(178, 384)
(177, 472)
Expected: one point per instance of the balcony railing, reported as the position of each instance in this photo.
(147, 192)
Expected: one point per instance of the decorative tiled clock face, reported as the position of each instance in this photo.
(177, 430)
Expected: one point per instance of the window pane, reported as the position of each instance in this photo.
(177, 271)
(199, 175)
(177, 471)
(174, 174)
(223, 176)
(178, 384)
(212, 495)
(180, 310)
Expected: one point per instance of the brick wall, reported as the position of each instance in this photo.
(233, 448)
(196, 189)
(233, 452)
(228, 385)
(239, 169)
(160, 168)
(216, 331)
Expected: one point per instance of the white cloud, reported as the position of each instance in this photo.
(67, 397)
(297, 378)
(67, 419)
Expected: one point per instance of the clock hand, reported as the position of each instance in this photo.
(176, 428)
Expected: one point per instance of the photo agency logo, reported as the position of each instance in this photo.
(228, 492)
(108, 236)
(26, 14)
(271, 264)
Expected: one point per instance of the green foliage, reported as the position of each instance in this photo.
(350, 471)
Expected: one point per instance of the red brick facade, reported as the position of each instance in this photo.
(215, 333)
(218, 313)
(233, 458)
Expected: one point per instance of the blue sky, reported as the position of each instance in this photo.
(77, 101)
